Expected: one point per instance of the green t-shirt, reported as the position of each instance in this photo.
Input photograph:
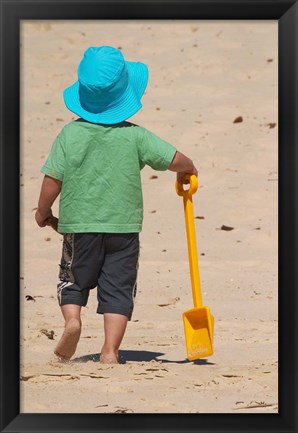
(99, 166)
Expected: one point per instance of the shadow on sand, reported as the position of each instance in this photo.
(141, 356)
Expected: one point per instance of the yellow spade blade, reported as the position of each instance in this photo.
(199, 330)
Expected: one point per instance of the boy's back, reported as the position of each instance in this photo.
(100, 169)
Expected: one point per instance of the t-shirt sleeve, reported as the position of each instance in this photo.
(54, 165)
(155, 152)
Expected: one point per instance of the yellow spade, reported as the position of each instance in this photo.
(198, 321)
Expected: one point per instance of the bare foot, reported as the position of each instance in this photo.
(109, 358)
(61, 358)
(69, 340)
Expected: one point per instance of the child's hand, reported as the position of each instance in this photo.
(182, 165)
(53, 222)
(182, 174)
(49, 220)
(43, 219)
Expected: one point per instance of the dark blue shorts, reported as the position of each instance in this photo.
(107, 261)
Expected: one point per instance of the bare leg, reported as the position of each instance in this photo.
(114, 327)
(71, 335)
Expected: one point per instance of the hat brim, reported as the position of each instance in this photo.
(124, 108)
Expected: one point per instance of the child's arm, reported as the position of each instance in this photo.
(50, 190)
(182, 165)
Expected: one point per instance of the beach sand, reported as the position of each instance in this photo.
(203, 76)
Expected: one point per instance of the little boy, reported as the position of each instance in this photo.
(95, 164)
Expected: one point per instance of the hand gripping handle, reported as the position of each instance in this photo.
(193, 186)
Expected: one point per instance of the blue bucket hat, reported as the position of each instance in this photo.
(109, 88)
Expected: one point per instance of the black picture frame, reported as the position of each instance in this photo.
(12, 11)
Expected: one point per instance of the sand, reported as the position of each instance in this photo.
(203, 76)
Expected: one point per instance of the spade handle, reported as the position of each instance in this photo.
(191, 236)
